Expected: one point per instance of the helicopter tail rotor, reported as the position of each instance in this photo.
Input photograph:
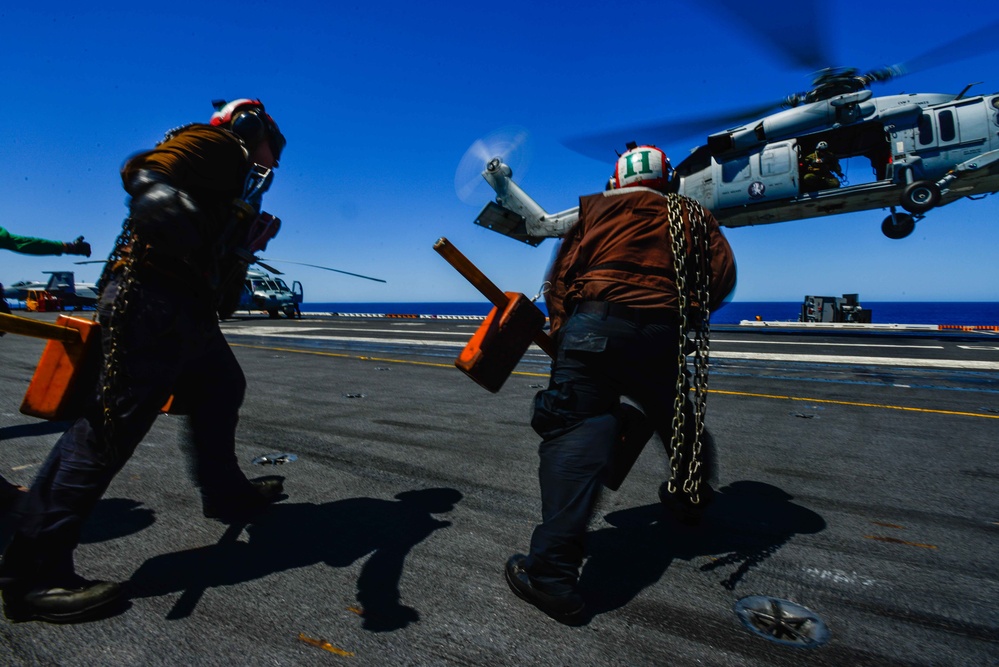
(510, 144)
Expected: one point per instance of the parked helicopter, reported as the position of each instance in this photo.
(61, 292)
(261, 291)
(264, 292)
(925, 150)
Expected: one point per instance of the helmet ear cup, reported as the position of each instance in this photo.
(249, 126)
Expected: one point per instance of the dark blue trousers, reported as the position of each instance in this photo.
(600, 359)
(170, 345)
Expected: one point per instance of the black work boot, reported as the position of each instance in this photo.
(567, 608)
(71, 600)
(242, 506)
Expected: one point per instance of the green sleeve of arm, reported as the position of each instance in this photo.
(28, 245)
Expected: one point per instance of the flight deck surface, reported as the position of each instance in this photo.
(858, 479)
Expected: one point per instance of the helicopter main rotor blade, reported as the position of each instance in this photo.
(602, 146)
(975, 43)
(270, 268)
(324, 268)
(794, 32)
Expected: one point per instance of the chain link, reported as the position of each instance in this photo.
(543, 290)
(122, 261)
(697, 332)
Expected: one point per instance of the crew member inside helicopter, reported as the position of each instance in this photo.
(819, 169)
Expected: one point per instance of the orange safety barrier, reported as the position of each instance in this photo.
(503, 338)
(65, 372)
(68, 368)
(500, 341)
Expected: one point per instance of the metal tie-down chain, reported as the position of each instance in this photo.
(698, 332)
(123, 258)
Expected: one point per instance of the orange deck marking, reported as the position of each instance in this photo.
(895, 540)
(323, 644)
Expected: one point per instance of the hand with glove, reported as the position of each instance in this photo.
(76, 247)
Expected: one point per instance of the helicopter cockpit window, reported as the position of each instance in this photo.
(282, 285)
(737, 169)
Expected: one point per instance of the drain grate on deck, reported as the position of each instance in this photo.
(782, 621)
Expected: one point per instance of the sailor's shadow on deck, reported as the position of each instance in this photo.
(746, 524)
(33, 429)
(290, 535)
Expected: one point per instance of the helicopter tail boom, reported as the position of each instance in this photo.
(516, 214)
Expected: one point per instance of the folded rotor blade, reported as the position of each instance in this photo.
(324, 268)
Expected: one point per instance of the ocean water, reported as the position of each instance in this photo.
(962, 313)
(959, 313)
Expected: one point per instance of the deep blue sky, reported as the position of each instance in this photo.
(380, 102)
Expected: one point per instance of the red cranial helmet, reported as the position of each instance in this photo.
(645, 166)
(247, 119)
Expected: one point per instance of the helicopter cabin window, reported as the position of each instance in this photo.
(737, 169)
(925, 130)
(948, 129)
(775, 160)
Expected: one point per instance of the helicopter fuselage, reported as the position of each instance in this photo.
(752, 174)
(271, 294)
(924, 150)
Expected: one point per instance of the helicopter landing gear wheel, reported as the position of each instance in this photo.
(898, 225)
(920, 197)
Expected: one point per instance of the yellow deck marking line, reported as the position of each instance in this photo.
(344, 356)
(712, 391)
(855, 404)
(323, 644)
(861, 361)
(895, 540)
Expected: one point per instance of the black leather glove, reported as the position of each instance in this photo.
(76, 247)
(164, 216)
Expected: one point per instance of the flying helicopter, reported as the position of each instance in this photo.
(924, 150)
